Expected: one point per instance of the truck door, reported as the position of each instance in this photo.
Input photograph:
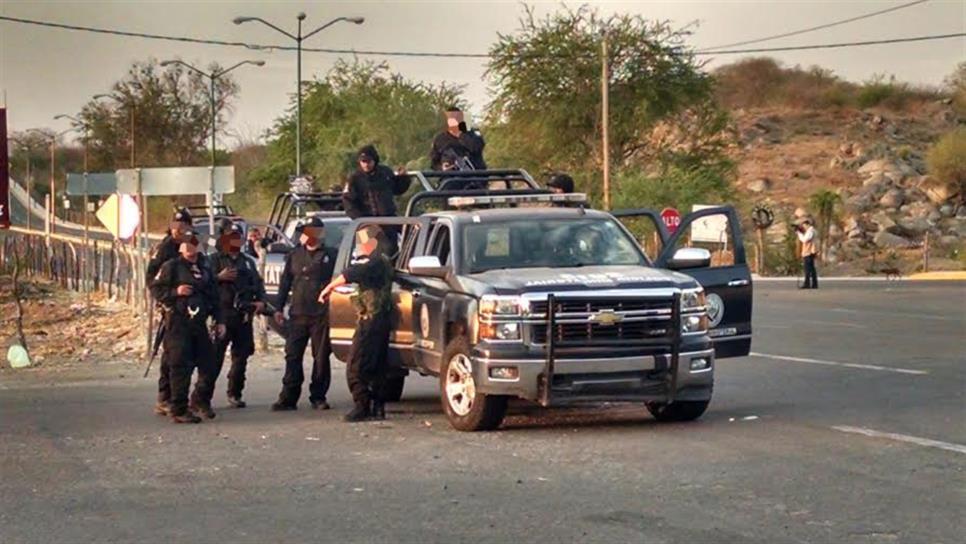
(342, 313)
(428, 297)
(727, 281)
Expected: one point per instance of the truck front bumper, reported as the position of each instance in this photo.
(599, 379)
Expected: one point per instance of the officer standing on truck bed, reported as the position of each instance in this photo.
(307, 269)
(186, 288)
(241, 294)
(371, 189)
(464, 143)
(168, 248)
(367, 366)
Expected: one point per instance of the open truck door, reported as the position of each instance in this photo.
(726, 278)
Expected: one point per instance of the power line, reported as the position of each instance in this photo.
(814, 28)
(430, 54)
(835, 45)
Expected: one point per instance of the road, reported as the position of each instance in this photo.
(846, 427)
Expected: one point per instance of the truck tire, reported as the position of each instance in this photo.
(394, 388)
(465, 408)
(678, 411)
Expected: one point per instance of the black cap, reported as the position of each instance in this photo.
(313, 221)
(369, 151)
(563, 182)
(235, 228)
(181, 215)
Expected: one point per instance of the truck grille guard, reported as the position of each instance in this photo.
(552, 343)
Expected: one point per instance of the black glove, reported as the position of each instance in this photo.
(462, 126)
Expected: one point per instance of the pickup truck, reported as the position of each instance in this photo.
(524, 294)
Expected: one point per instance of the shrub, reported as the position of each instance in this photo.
(947, 159)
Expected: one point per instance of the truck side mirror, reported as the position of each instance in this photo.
(690, 257)
(427, 265)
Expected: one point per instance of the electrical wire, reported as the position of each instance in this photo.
(814, 28)
(428, 54)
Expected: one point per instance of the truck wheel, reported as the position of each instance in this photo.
(678, 411)
(465, 408)
(394, 388)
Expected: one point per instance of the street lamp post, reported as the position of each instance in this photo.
(86, 212)
(211, 97)
(299, 37)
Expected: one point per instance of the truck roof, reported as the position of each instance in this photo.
(506, 214)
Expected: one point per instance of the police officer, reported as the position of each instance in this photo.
(241, 294)
(465, 143)
(366, 372)
(167, 249)
(371, 188)
(186, 288)
(307, 269)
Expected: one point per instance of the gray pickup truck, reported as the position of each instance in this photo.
(523, 294)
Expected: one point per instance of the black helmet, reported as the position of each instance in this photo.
(181, 215)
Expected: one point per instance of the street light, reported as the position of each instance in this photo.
(112, 97)
(211, 78)
(298, 37)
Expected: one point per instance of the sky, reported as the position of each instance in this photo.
(45, 71)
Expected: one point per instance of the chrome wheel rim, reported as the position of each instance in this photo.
(460, 387)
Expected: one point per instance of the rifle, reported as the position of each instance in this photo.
(158, 337)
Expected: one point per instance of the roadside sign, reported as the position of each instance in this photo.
(4, 173)
(98, 183)
(671, 218)
(713, 228)
(120, 215)
(190, 180)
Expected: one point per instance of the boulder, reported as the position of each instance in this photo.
(937, 191)
(835, 232)
(759, 185)
(876, 179)
(883, 221)
(947, 210)
(860, 203)
(914, 226)
(876, 166)
(893, 198)
(949, 241)
(891, 241)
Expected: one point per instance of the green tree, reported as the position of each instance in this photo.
(172, 117)
(825, 204)
(956, 86)
(353, 105)
(546, 113)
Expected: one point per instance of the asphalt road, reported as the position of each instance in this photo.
(847, 427)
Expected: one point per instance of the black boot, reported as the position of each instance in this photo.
(162, 408)
(236, 402)
(320, 405)
(283, 406)
(378, 410)
(186, 417)
(203, 408)
(359, 413)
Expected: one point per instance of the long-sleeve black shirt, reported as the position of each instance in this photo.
(305, 274)
(166, 250)
(248, 286)
(468, 144)
(203, 300)
(370, 194)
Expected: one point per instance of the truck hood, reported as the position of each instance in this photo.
(524, 280)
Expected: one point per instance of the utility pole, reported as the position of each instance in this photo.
(605, 113)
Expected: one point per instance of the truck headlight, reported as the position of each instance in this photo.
(500, 331)
(693, 300)
(694, 323)
(495, 305)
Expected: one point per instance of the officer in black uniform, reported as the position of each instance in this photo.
(561, 183)
(166, 250)
(241, 294)
(368, 357)
(307, 269)
(371, 189)
(465, 143)
(186, 288)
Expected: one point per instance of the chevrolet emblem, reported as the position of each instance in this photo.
(606, 318)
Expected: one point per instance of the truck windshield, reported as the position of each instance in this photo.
(554, 243)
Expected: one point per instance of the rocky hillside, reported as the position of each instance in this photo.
(875, 161)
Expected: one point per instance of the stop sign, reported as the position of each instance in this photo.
(671, 218)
